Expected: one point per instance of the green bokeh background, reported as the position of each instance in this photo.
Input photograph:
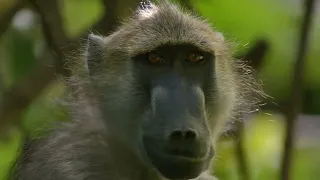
(242, 22)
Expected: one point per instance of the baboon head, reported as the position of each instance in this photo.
(165, 85)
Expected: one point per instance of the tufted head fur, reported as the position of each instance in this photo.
(159, 24)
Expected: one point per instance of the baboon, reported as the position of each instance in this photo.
(154, 98)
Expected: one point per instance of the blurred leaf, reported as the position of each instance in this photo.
(306, 164)
(8, 153)
(21, 52)
(80, 14)
(47, 108)
(263, 143)
(225, 161)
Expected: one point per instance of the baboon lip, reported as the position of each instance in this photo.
(177, 166)
(183, 158)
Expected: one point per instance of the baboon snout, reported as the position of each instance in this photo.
(179, 111)
(177, 135)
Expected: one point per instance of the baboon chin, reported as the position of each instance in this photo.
(153, 99)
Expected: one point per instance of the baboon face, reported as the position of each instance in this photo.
(176, 135)
(166, 85)
(162, 111)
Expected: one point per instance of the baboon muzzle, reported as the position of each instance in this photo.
(181, 149)
(178, 159)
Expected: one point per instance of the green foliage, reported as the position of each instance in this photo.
(80, 14)
(263, 145)
(47, 108)
(242, 22)
(8, 153)
(21, 50)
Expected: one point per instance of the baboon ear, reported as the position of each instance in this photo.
(94, 53)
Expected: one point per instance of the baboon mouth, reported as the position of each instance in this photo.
(183, 157)
(186, 154)
(178, 165)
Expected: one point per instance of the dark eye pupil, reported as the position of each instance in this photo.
(154, 58)
(194, 57)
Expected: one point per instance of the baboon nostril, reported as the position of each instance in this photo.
(183, 135)
(190, 135)
(176, 135)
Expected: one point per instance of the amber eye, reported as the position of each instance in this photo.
(195, 58)
(154, 58)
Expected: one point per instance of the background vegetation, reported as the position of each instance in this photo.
(33, 50)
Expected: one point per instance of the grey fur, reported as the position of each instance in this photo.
(93, 146)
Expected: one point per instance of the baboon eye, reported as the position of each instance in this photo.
(195, 58)
(155, 58)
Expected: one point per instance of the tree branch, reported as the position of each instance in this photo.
(295, 101)
(23, 92)
(110, 18)
(53, 30)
